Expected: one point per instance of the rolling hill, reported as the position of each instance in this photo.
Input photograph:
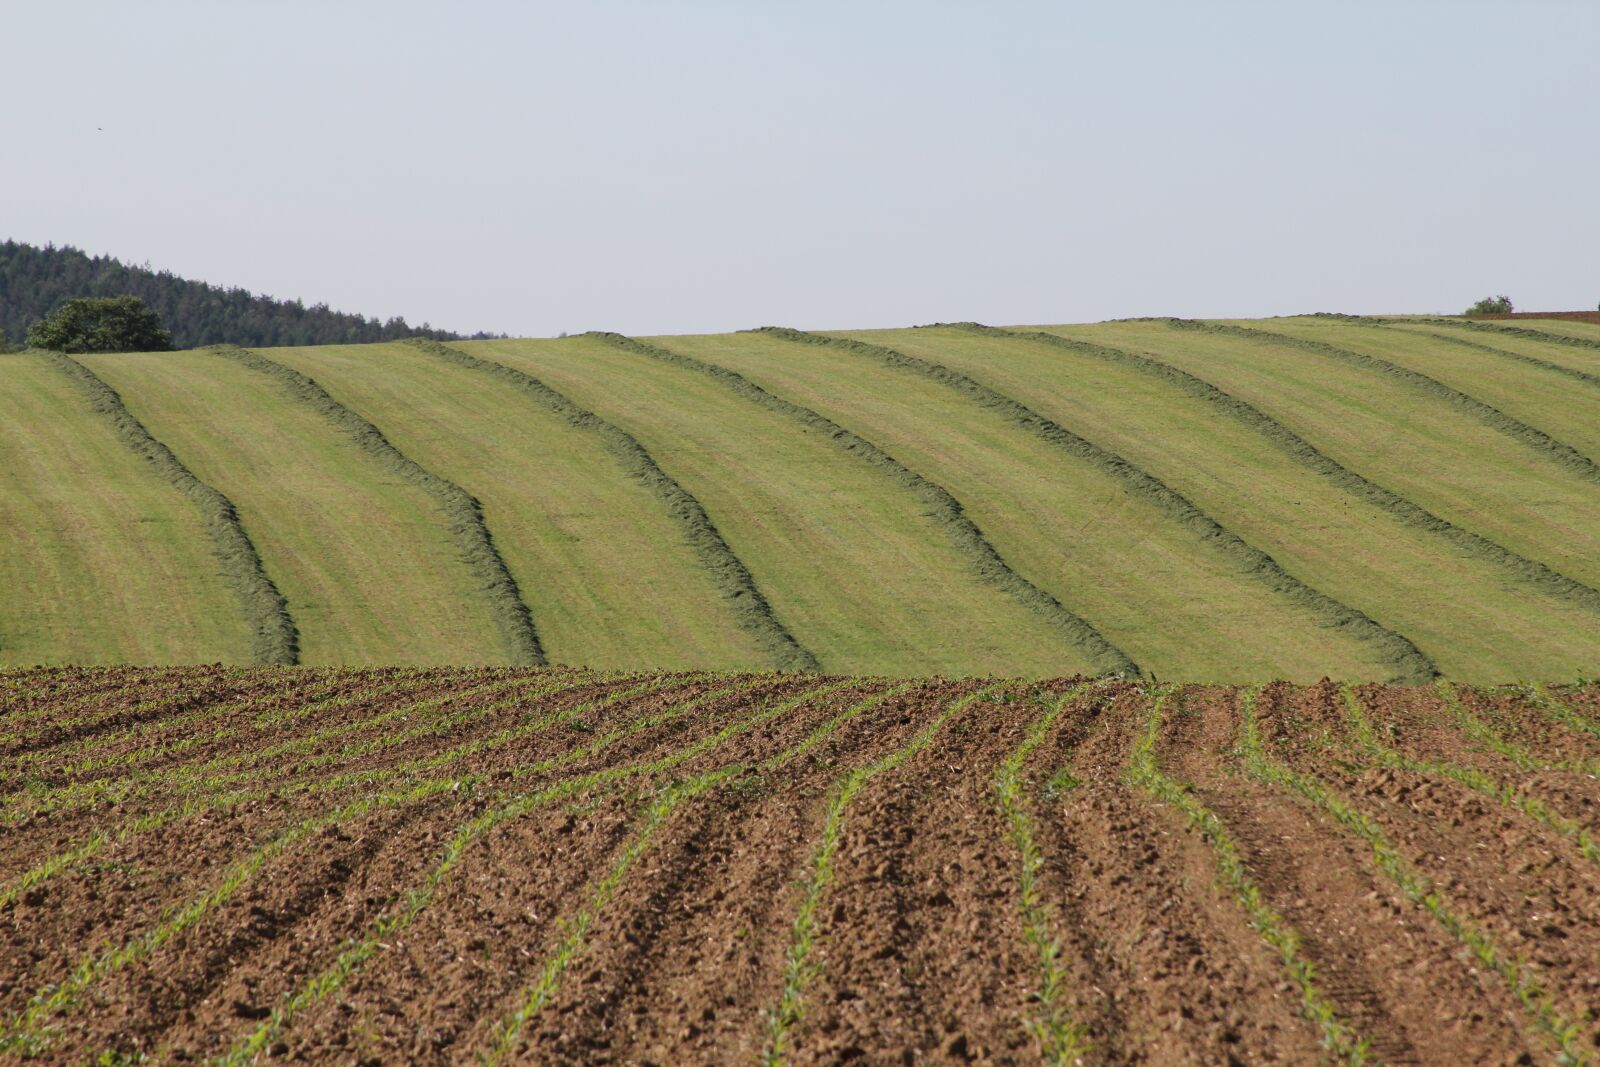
(1369, 499)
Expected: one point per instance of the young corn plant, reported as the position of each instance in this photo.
(1061, 1040)
(1565, 1034)
(1144, 771)
(353, 957)
(1496, 789)
(800, 968)
(1490, 738)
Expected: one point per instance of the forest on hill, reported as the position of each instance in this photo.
(35, 281)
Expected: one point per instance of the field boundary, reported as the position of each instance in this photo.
(1410, 662)
(1410, 513)
(752, 612)
(274, 638)
(1558, 452)
(464, 513)
(945, 509)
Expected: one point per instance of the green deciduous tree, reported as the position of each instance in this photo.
(101, 324)
(1491, 305)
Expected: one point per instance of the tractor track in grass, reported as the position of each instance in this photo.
(1409, 663)
(1536, 574)
(751, 609)
(1557, 452)
(942, 507)
(682, 868)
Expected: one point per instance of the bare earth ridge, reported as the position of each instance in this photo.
(568, 866)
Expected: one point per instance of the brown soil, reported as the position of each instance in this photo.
(1571, 316)
(921, 951)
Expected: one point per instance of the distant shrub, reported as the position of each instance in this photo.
(101, 324)
(1491, 305)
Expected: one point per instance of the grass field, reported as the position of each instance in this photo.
(1293, 498)
(557, 866)
(102, 560)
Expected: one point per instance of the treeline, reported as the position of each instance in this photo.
(35, 281)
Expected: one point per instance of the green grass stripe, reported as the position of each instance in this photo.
(1533, 361)
(1409, 662)
(1061, 1040)
(1499, 327)
(1309, 456)
(274, 638)
(387, 776)
(1486, 735)
(1233, 875)
(463, 513)
(1559, 452)
(799, 967)
(948, 512)
(575, 932)
(356, 954)
(1417, 888)
(752, 612)
(1496, 789)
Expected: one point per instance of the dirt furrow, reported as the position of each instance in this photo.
(1380, 960)
(431, 921)
(1164, 968)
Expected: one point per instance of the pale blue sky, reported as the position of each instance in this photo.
(659, 167)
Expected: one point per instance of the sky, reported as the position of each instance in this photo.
(696, 166)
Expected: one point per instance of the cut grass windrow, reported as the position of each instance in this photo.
(1496, 789)
(1560, 453)
(1061, 1040)
(751, 610)
(1144, 771)
(799, 966)
(406, 772)
(574, 932)
(28, 1031)
(1408, 662)
(274, 638)
(1519, 357)
(1417, 888)
(357, 953)
(461, 509)
(941, 506)
(1503, 328)
(1306, 454)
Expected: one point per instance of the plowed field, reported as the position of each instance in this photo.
(562, 866)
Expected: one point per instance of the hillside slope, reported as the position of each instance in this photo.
(1371, 499)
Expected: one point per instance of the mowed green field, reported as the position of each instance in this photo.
(1364, 499)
